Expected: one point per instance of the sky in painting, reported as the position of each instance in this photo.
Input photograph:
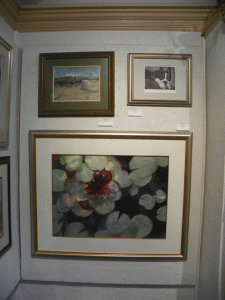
(91, 72)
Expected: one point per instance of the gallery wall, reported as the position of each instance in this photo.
(212, 252)
(178, 279)
(10, 261)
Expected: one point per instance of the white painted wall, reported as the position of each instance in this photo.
(10, 261)
(142, 275)
(213, 199)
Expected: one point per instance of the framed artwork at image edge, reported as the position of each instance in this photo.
(76, 84)
(160, 79)
(5, 213)
(45, 144)
(6, 53)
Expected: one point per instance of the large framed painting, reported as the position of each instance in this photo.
(116, 194)
(5, 215)
(76, 84)
(160, 79)
(5, 90)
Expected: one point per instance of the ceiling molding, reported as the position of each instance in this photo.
(33, 18)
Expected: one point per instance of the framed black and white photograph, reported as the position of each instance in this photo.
(159, 80)
(5, 216)
(5, 90)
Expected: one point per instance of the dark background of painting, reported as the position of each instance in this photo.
(127, 204)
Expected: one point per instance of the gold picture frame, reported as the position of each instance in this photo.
(160, 79)
(98, 196)
(6, 52)
(76, 84)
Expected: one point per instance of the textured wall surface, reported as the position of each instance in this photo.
(164, 274)
(213, 200)
(10, 261)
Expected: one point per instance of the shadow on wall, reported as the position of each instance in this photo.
(219, 30)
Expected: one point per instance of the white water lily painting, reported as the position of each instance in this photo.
(98, 196)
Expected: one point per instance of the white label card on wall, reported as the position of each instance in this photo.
(105, 123)
(134, 112)
(183, 127)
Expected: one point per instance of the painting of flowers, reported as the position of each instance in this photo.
(99, 196)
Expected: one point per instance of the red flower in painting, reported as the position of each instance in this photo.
(100, 183)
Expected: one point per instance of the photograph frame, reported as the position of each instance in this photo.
(148, 84)
(6, 53)
(74, 81)
(52, 141)
(5, 207)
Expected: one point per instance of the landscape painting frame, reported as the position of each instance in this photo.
(5, 209)
(160, 79)
(76, 84)
(45, 145)
(6, 53)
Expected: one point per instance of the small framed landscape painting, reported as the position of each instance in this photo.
(160, 79)
(76, 84)
(5, 218)
(5, 90)
(118, 194)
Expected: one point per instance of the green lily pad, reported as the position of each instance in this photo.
(145, 225)
(75, 229)
(84, 174)
(116, 224)
(147, 201)
(58, 180)
(71, 162)
(96, 162)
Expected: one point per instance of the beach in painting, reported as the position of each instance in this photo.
(76, 84)
(109, 196)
